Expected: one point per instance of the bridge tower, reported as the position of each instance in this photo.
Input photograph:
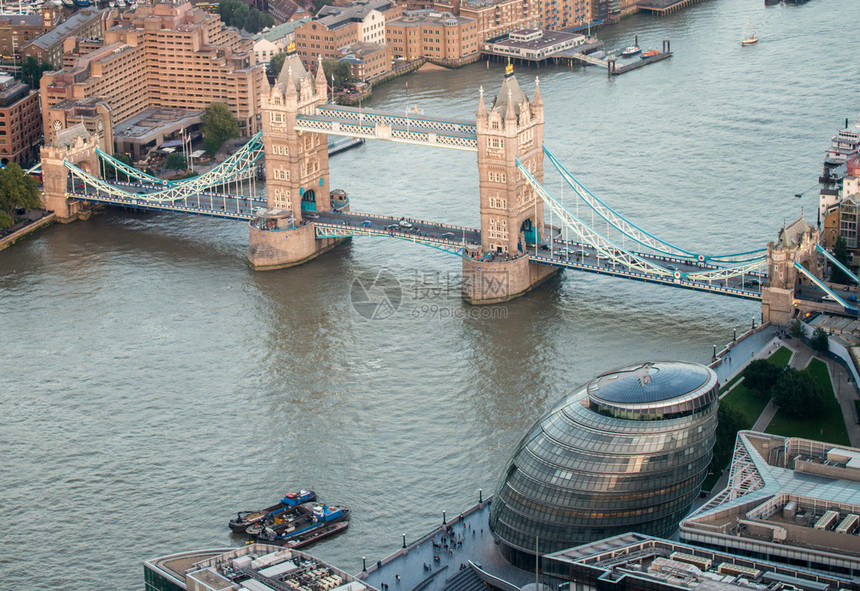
(297, 173)
(796, 242)
(511, 211)
(78, 147)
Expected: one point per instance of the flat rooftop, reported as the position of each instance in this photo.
(689, 567)
(254, 567)
(779, 489)
(147, 124)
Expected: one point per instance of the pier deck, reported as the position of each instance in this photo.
(477, 546)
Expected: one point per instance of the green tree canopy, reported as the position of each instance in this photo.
(798, 394)
(111, 172)
(219, 125)
(175, 161)
(819, 341)
(17, 189)
(796, 330)
(31, 71)
(729, 421)
(760, 375)
(276, 63)
(840, 253)
(257, 21)
(341, 70)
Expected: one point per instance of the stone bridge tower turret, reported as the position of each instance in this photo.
(76, 146)
(511, 211)
(297, 174)
(796, 242)
(296, 162)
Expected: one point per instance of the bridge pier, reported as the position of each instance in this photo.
(280, 248)
(493, 282)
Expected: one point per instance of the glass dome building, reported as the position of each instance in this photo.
(628, 451)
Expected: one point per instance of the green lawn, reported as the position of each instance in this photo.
(829, 427)
(780, 357)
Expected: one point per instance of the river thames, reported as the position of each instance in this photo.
(154, 384)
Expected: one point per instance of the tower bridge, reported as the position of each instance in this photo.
(295, 216)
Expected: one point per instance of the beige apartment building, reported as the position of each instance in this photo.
(436, 36)
(495, 17)
(159, 67)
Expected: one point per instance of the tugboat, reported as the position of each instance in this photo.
(290, 502)
(308, 521)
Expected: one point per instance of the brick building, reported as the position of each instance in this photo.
(89, 23)
(367, 60)
(437, 36)
(336, 27)
(20, 121)
(495, 17)
(17, 30)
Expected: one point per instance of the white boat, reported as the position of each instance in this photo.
(749, 39)
(630, 51)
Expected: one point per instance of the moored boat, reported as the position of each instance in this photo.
(291, 501)
(302, 523)
(630, 51)
(82, 3)
(650, 53)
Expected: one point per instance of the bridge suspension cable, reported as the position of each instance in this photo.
(637, 234)
(242, 160)
(588, 235)
(131, 171)
(611, 251)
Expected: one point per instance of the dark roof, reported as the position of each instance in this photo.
(650, 382)
(66, 28)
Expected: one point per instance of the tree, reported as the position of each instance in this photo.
(257, 21)
(760, 375)
(798, 394)
(819, 341)
(219, 125)
(32, 70)
(276, 63)
(341, 70)
(796, 331)
(111, 171)
(840, 253)
(175, 161)
(17, 189)
(729, 421)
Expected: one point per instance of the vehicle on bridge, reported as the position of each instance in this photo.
(404, 224)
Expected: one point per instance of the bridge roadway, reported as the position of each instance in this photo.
(220, 205)
(565, 254)
(447, 237)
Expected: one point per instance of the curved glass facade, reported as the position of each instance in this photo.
(628, 451)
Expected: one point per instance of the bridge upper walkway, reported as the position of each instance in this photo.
(410, 127)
